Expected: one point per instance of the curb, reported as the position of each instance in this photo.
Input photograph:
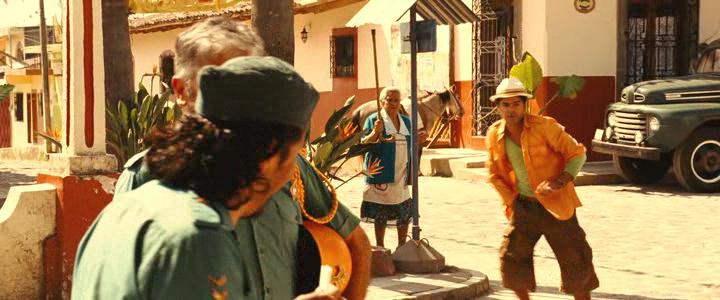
(477, 285)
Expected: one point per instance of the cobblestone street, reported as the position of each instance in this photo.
(648, 243)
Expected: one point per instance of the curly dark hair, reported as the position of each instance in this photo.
(215, 159)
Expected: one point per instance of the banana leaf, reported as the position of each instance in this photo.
(5, 90)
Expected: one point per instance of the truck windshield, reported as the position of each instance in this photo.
(709, 60)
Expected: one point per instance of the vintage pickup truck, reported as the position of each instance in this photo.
(667, 123)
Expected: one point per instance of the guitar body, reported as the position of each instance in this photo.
(321, 245)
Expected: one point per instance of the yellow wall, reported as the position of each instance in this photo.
(709, 20)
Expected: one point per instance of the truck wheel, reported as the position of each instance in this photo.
(696, 163)
(641, 171)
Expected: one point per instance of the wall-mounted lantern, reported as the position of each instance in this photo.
(304, 35)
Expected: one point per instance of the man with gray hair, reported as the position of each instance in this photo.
(210, 42)
(270, 239)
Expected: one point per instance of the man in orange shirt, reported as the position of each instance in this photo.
(532, 163)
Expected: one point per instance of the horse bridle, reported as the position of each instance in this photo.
(439, 115)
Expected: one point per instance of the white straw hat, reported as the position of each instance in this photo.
(510, 87)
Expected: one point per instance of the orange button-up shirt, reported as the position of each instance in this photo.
(546, 148)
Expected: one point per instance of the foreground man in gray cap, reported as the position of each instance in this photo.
(174, 238)
(275, 230)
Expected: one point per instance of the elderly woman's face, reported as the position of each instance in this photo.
(391, 103)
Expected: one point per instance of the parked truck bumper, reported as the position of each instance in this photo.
(648, 153)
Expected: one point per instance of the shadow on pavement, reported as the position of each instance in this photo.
(663, 188)
(8, 179)
(545, 292)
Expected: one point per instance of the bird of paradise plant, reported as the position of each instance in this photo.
(52, 136)
(339, 143)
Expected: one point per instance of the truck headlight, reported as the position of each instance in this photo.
(612, 119)
(653, 124)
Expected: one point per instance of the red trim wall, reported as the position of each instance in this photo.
(89, 74)
(580, 116)
(5, 123)
(79, 201)
(67, 73)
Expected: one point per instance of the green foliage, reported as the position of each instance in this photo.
(529, 72)
(569, 86)
(131, 122)
(340, 142)
(5, 90)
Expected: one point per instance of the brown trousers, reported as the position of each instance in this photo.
(530, 220)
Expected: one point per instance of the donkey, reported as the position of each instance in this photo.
(431, 106)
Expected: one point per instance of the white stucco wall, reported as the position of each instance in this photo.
(312, 58)
(463, 52)
(533, 30)
(146, 50)
(26, 219)
(366, 69)
(578, 43)
(709, 20)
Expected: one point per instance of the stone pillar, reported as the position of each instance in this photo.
(84, 92)
(83, 174)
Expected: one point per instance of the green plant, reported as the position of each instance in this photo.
(132, 121)
(530, 73)
(5, 90)
(339, 143)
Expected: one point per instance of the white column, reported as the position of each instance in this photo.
(84, 90)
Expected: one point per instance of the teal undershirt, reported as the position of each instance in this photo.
(515, 155)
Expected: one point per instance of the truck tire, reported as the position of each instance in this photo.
(696, 162)
(641, 171)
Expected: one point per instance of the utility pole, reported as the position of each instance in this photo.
(44, 65)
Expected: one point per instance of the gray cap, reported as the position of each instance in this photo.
(255, 88)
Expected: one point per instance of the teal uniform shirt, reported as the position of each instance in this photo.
(161, 243)
(270, 238)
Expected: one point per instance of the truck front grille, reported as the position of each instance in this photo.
(627, 125)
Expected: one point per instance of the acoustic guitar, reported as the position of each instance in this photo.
(319, 244)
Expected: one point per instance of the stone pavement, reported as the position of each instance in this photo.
(649, 243)
(17, 172)
(655, 242)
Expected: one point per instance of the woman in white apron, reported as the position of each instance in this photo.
(386, 198)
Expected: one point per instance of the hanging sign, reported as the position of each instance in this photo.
(584, 6)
